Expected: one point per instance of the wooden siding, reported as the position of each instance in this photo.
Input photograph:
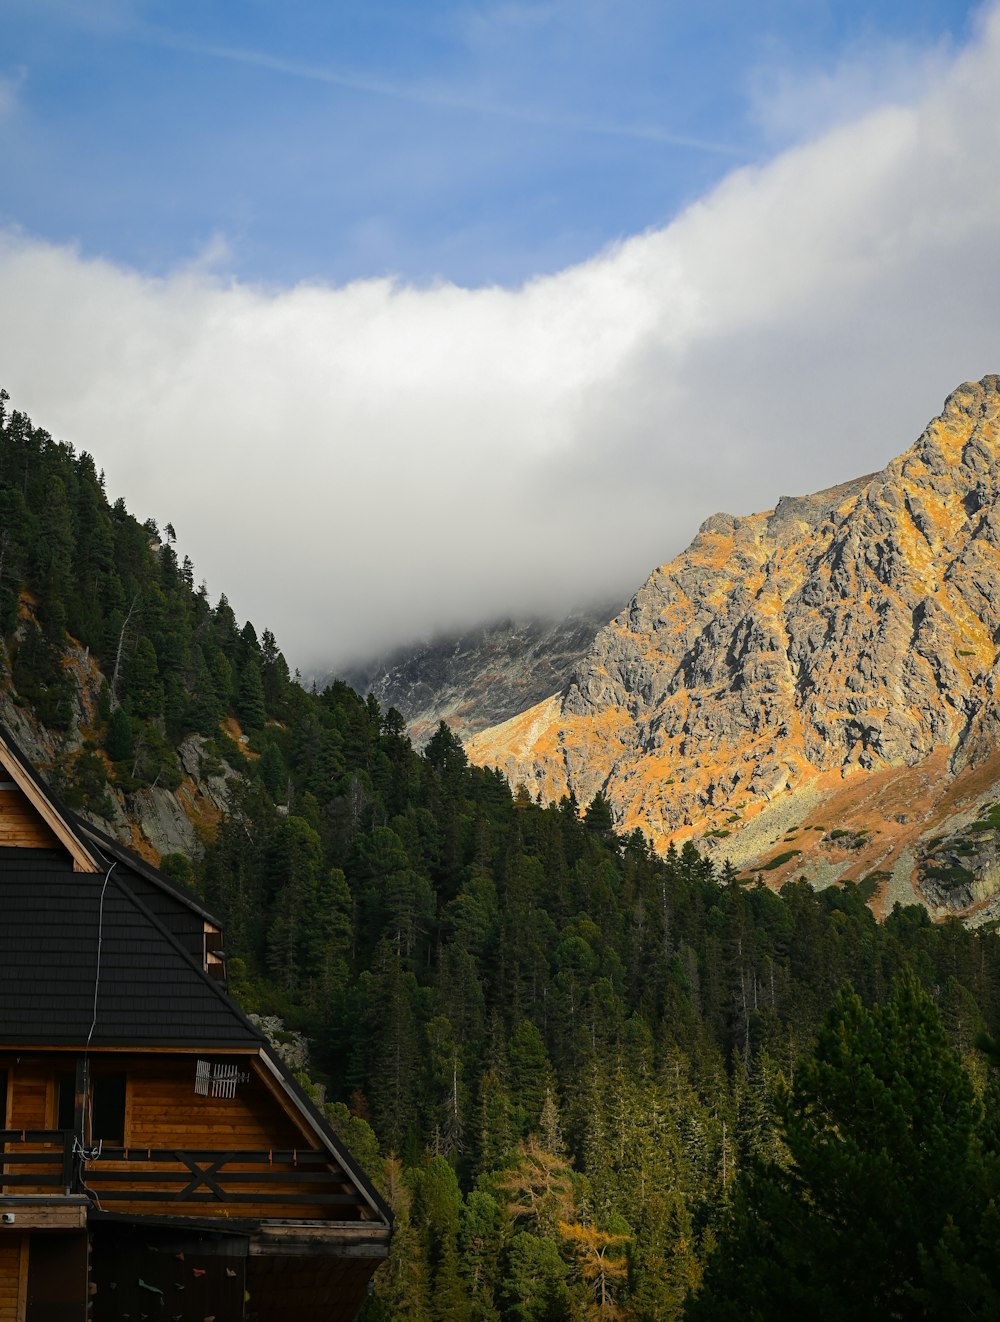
(26, 788)
(20, 824)
(31, 1089)
(165, 1112)
(182, 1153)
(13, 1275)
(31, 1105)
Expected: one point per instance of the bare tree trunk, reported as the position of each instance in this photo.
(118, 653)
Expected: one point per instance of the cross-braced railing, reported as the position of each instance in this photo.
(288, 1176)
(49, 1161)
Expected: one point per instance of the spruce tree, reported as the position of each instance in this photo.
(883, 1166)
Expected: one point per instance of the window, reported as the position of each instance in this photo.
(107, 1108)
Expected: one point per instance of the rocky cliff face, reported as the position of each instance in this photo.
(849, 632)
(481, 677)
(153, 821)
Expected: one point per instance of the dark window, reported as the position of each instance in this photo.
(66, 1108)
(107, 1116)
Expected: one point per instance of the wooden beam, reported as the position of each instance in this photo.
(39, 1049)
(358, 1239)
(80, 1097)
(22, 1280)
(83, 859)
(59, 1214)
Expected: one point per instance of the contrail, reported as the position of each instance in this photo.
(426, 96)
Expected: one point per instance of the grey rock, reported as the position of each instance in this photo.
(478, 678)
(853, 628)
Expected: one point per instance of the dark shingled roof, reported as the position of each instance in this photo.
(58, 940)
(179, 911)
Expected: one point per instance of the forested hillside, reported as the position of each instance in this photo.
(574, 1067)
(82, 580)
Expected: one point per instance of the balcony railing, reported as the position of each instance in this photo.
(36, 1161)
(43, 1161)
(288, 1176)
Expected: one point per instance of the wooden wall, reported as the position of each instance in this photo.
(13, 1275)
(164, 1112)
(31, 1088)
(20, 824)
(31, 1104)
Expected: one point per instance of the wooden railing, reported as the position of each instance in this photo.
(36, 1161)
(292, 1176)
(43, 1161)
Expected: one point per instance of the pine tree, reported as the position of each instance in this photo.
(250, 707)
(883, 1157)
(120, 742)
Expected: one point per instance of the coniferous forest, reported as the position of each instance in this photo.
(592, 1082)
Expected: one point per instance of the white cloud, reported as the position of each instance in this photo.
(790, 102)
(355, 465)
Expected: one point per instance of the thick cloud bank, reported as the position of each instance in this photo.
(358, 465)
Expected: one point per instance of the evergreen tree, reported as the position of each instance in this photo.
(884, 1164)
(145, 692)
(120, 741)
(251, 708)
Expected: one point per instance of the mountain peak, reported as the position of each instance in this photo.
(851, 630)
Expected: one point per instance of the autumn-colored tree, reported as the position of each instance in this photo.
(540, 1185)
(601, 1261)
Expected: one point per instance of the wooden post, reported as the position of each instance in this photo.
(79, 1121)
(22, 1279)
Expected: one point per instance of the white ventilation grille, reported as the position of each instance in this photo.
(218, 1080)
(202, 1078)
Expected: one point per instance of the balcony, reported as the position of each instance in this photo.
(288, 1183)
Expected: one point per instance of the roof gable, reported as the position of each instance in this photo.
(83, 960)
(98, 950)
(29, 818)
(96, 946)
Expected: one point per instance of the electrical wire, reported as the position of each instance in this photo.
(100, 943)
(82, 1153)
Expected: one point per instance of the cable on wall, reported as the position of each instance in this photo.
(100, 943)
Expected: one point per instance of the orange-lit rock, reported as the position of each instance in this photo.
(851, 632)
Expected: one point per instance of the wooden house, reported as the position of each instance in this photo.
(157, 1161)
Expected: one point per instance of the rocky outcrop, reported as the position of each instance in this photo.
(849, 632)
(155, 820)
(478, 678)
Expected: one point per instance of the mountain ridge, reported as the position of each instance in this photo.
(846, 632)
(481, 676)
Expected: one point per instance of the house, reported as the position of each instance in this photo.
(157, 1161)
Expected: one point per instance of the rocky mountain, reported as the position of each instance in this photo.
(812, 689)
(481, 677)
(154, 820)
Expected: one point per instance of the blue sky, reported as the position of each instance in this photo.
(477, 143)
(407, 316)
